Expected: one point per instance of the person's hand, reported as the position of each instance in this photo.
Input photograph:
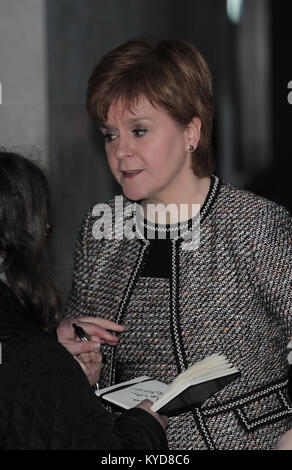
(146, 405)
(87, 353)
(92, 366)
(285, 443)
(96, 328)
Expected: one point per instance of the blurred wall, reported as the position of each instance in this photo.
(23, 75)
(274, 182)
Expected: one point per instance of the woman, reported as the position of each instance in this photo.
(181, 299)
(46, 401)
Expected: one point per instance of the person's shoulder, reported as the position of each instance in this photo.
(244, 204)
(112, 207)
(105, 216)
(26, 344)
(39, 354)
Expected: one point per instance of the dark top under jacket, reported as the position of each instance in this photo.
(46, 401)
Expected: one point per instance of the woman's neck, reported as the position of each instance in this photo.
(179, 206)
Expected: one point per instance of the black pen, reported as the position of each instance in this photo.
(80, 333)
(83, 336)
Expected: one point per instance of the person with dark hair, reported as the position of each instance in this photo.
(213, 279)
(24, 227)
(46, 400)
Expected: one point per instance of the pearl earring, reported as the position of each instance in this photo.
(191, 148)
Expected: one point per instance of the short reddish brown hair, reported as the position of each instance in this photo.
(171, 74)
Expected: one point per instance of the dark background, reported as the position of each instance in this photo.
(251, 67)
(274, 182)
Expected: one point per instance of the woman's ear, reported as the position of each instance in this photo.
(193, 134)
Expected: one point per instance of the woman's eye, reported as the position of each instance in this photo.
(139, 132)
(109, 137)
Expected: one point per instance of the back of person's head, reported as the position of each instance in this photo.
(24, 225)
(171, 74)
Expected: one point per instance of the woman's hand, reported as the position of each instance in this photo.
(92, 367)
(97, 328)
(87, 353)
(146, 405)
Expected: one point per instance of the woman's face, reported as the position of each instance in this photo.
(147, 151)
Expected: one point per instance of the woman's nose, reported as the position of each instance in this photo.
(123, 148)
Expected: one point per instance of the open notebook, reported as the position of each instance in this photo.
(189, 389)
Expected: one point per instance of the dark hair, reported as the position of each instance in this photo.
(24, 206)
(170, 74)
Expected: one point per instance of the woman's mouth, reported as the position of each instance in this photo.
(131, 173)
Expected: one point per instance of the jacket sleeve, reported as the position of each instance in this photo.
(271, 261)
(49, 404)
(77, 304)
(140, 430)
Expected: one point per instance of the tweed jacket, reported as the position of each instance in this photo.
(233, 295)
